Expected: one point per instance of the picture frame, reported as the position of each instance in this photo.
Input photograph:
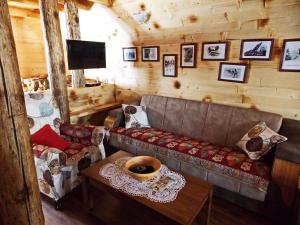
(256, 49)
(150, 54)
(169, 65)
(290, 57)
(188, 55)
(215, 51)
(233, 72)
(130, 54)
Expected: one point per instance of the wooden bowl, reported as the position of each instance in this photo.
(140, 163)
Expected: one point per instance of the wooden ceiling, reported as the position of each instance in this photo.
(182, 20)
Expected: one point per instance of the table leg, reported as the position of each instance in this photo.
(87, 200)
(209, 208)
(204, 216)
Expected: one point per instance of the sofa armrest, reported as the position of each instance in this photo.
(289, 150)
(83, 134)
(115, 118)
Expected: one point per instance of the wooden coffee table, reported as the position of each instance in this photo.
(193, 202)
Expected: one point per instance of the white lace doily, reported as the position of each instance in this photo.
(163, 188)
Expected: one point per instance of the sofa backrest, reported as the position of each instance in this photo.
(219, 124)
(41, 110)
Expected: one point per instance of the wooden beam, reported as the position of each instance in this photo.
(84, 4)
(108, 3)
(55, 55)
(34, 4)
(73, 32)
(30, 4)
(20, 201)
(22, 12)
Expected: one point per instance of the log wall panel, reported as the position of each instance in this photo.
(30, 48)
(174, 22)
(86, 98)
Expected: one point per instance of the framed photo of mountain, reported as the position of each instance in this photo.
(233, 72)
(214, 51)
(256, 49)
(290, 58)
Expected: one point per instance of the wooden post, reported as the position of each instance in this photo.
(55, 55)
(20, 201)
(73, 32)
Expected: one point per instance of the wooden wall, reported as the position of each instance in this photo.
(173, 22)
(27, 31)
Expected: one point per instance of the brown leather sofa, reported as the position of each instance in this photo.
(219, 125)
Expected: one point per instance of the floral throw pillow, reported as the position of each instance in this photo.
(259, 140)
(135, 116)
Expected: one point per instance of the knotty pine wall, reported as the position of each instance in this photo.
(28, 36)
(173, 22)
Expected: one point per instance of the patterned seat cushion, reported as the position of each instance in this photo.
(227, 161)
(69, 156)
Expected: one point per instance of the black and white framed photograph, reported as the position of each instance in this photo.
(150, 53)
(256, 49)
(130, 54)
(188, 55)
(290, 58)
(169, 65)
(214, 51)
(233, 72)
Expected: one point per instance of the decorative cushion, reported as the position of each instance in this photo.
(224, 160)
(76, 133)
(47, 136)
(135, 116)
(259, 141)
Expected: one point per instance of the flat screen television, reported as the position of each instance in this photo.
(85, 54)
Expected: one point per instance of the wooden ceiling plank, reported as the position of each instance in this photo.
(108, 3)
(34, 4)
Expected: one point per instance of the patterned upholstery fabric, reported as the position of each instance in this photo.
(42, 109)
(224, 160)
(58, 172)
(83, 134)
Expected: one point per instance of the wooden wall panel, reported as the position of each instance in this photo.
(81, 99)
(28, 35)
(173, 22)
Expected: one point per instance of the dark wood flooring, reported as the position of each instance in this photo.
(72, 213)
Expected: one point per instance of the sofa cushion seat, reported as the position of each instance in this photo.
(69, 156)
(229, 162)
